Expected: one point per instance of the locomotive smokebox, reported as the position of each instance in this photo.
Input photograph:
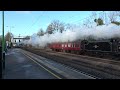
(113, 40)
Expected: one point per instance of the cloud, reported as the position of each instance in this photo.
(25, 12)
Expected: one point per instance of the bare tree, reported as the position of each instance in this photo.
(68, 26)
(8, 36)
(118, 13)
(55, 26)
(94, 15)
(102, 16)
(87, 22)
(40, 32)
(26, 38)
(58, 26)
(61, 27)
(49, 29)
(112, 16)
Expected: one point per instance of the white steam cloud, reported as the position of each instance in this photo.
(104, 31)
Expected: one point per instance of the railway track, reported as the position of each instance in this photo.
(101, 68)
(61, 71)
(110, 61)
(93, 58)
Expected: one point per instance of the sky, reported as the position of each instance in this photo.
(29, 22)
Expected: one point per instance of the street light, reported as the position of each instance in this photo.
(10, 27)
(10, 32)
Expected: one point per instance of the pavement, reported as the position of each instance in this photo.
(18, 66)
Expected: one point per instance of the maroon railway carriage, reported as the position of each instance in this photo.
(71, 47)
(55, 46)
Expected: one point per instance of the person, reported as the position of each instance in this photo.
(6, 48)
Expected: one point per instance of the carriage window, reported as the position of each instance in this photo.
(69, 45)
(62, 45)
(65, 45)
(73, 45)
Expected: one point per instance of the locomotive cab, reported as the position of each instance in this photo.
(118, 48)
(115, 46)
(83, 43)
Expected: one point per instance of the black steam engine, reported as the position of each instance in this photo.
(102, 47)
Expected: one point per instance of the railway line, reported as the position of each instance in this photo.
(58, 70)
(93, 58)
(110, 61)
(98, 67)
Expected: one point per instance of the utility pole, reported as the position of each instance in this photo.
(10, 35)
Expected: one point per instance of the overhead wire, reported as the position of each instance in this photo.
(35, 21)
(68, 17)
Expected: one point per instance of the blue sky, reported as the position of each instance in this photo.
(29, 22)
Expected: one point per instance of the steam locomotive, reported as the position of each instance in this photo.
(111, 46)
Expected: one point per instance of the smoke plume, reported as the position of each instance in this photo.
(98, 32)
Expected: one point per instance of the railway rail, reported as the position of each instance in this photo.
(103, 68)
(58, 70)
(110, 61)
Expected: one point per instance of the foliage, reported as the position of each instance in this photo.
(115, 22)
(99, 21)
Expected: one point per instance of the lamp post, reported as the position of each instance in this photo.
(11, 36)
(10, 32)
